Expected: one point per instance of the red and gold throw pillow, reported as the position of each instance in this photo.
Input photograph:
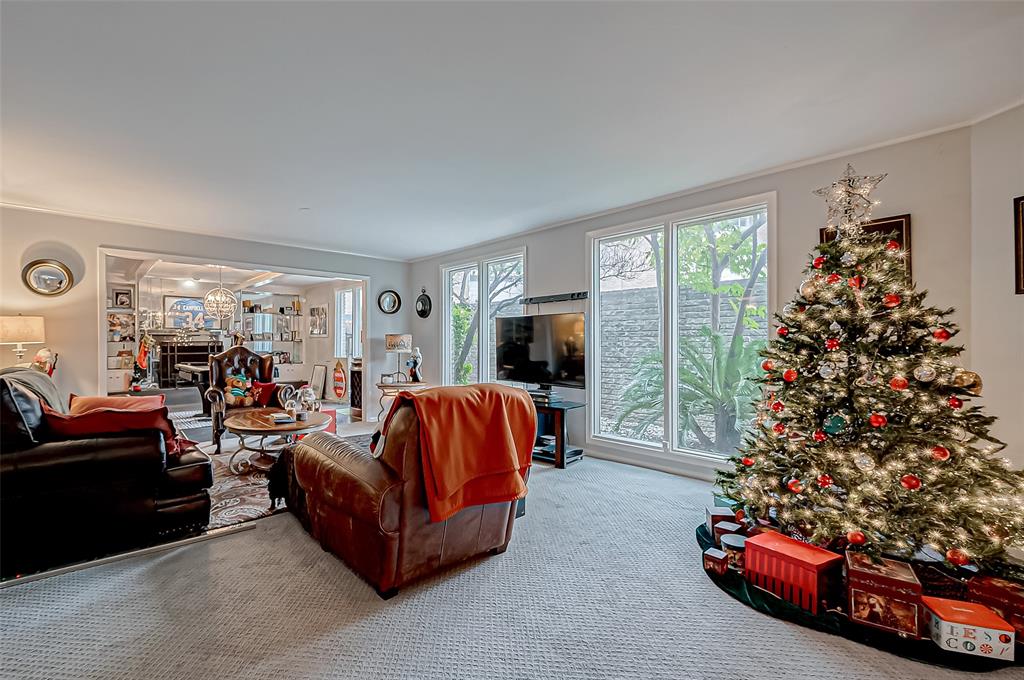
(111, 421)
(148, 402)
(262, 392)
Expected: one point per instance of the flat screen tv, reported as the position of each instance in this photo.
(546, 349)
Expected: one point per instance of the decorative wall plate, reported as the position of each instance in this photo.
(47, 277)
(389, 301)
(423, 304)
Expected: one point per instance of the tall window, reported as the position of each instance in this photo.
(349, 317)
(629, 335)
(475, 295)
(715, 266)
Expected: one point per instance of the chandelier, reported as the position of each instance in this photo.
(220, 303)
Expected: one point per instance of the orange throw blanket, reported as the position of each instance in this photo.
(476, 443)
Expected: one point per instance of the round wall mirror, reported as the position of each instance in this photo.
(389, 302)
(423, 304)
(47, 277)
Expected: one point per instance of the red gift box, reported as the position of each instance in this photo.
(803, 574)
(885, 594)
(1004, 597)
(716, 560)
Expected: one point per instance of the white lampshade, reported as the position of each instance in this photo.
(22, 330)
(397, 342)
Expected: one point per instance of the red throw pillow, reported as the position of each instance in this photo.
(262, 393)
(112, 421)
(148, 402)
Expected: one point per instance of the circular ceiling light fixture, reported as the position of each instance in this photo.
(220, 303)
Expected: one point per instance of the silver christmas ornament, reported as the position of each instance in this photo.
(835, 327)
(864, 462)
(925, 373)
(959, 434)
(848, 259)
(808, 289)
(827, 371)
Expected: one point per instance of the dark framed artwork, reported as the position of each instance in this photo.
(886, 225)
(1018, 245)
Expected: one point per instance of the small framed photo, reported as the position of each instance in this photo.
(288, 310)
(898, 226)
(122, 298)
(1018, 245)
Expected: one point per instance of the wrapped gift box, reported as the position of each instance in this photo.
(1005, 598)
(968, 628)
(716, 561)
(803, 574)
(714, 515)
(723, 528)
(885, 594)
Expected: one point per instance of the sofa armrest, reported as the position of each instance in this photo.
(349, 479)
(138, 457)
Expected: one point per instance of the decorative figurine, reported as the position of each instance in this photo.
(413, 364)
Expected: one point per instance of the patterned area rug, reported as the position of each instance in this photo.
(241, 498)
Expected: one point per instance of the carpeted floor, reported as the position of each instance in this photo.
(602, 580)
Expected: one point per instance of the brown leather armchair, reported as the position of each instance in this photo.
(372, 512)
(234, 361)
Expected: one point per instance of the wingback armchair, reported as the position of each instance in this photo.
(233, 362)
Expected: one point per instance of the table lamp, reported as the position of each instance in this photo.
(23, 330)
(398, 343)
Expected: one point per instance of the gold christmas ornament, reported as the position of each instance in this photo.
(968, 380)
(808, 289)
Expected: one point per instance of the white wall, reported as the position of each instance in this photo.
(72, 320)
(928, 178)
(997, 315)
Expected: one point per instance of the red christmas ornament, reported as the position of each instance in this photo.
(789, 375)
(819, 262)
(957, 557)
(955, 402)
(940, 453)
(747, 460)
(768, 364)
(819, 436)
(778, 406)
(856, 538)
(832, 344)
(782, 331)
(878, 420)
(778, 428)
(795, 486)
(911, 482)
(941, 334)
(892, 300)
(855, 281)
(801, 308)
(824, 481)
(899, 383)
(833, 279)
(892, 245)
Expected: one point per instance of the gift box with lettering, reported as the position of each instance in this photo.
(723, 528)
(1005, 598)
(804, 574)
(885, 594)
(968, 628)
(716, 561)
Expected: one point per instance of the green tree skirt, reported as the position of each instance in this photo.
(836, 623)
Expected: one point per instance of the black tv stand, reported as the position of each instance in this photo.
(551, 421)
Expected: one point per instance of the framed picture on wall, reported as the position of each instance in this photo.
(318, 321)
(186, 312)
(1018, 245)
(121, 298)
(898, 226)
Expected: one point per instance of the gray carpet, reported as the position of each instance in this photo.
(602, 580)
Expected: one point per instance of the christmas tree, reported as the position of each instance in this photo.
(866, 438)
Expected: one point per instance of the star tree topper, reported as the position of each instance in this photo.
(848, 200)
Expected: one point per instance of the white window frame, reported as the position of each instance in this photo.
(666, 455)
(484, 371)
(355, 345)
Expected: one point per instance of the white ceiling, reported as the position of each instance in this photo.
(412, 129)
(130, 269)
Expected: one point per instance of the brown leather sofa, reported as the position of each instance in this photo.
(233, 361)
(372, 512)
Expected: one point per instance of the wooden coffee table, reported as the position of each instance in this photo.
(259, 422)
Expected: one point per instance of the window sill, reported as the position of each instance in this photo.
(686, 463)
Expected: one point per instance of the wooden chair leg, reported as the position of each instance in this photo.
(387, 594)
